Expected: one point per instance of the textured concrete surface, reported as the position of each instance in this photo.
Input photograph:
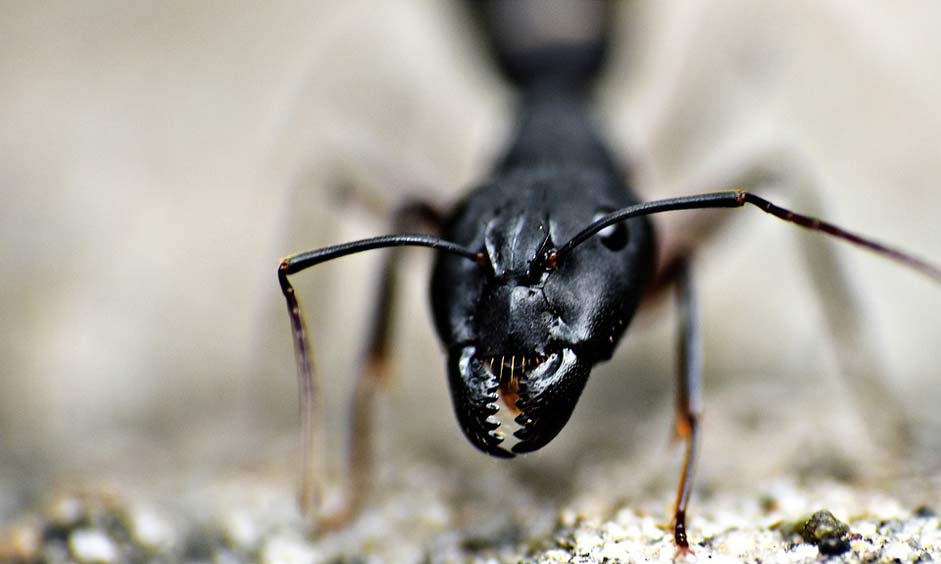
(428, 512)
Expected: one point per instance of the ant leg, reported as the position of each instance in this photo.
(688, 396)
(760, 162)
(373, 372)
(857, 354)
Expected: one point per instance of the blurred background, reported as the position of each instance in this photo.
(157, 159)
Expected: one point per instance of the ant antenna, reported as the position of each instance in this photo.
(737, 199)
(309, 495)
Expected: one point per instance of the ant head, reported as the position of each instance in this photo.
(525, 328)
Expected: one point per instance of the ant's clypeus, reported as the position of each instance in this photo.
(538, 272)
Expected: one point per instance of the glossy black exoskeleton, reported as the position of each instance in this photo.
(539, 270)
(543, 327)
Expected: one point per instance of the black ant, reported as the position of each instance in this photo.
(538, 273)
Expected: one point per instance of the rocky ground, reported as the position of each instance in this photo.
(426, 511)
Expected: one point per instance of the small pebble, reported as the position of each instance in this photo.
(827, 532)
(287, 549)
(555, 555)
(898, 551)
(616, 552)
(804, 553)
(92, 546)
(65, 511)
(151, 531)
(20, 543)
(241, 530)
(738, 543)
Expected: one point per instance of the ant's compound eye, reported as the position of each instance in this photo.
(614, 236)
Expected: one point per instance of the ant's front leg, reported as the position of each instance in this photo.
(688, 396)
(758, 164)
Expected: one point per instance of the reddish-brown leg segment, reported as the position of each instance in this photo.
(688, 396)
